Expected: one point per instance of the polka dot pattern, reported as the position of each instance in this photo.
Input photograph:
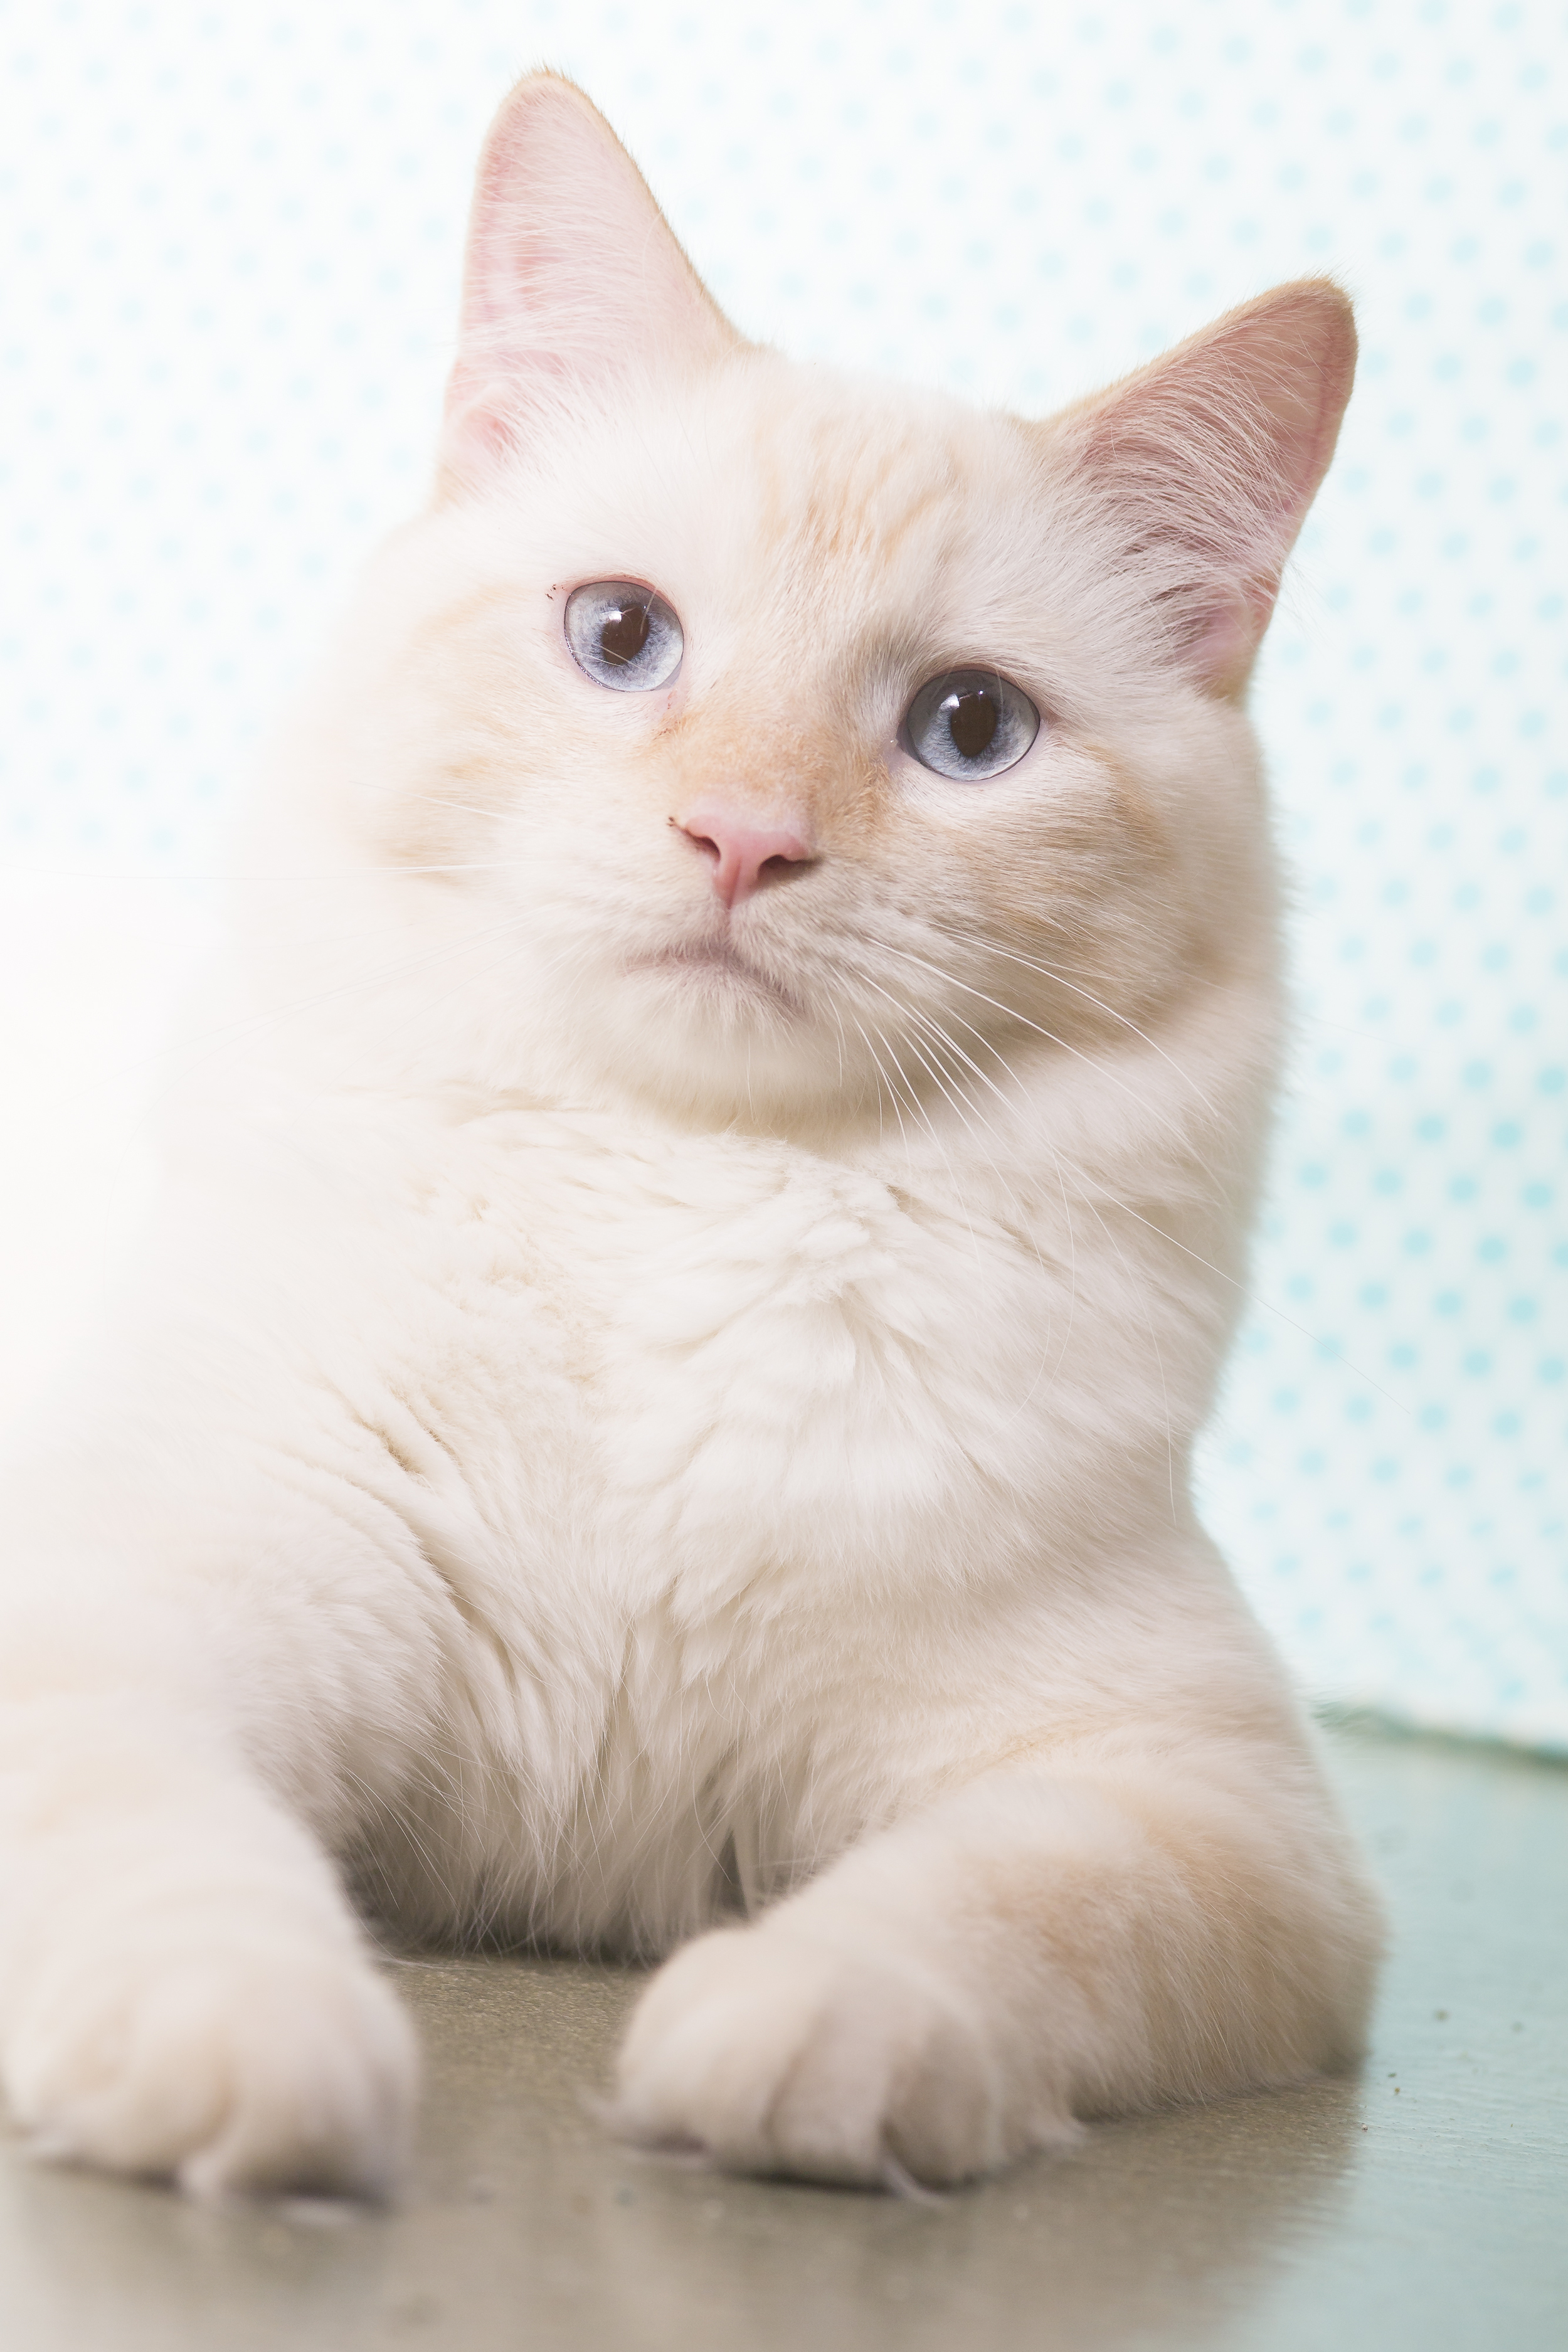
(234, 236)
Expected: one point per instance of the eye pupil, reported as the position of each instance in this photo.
(969, 724)
(971, 721)
(623, 633)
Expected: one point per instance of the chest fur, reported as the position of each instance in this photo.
(745, 1359)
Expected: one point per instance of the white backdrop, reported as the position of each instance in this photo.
(231, 238)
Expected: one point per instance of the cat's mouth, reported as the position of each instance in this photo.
(719, 966)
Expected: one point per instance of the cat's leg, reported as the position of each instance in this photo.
(1087, 1937)
(184, 1990)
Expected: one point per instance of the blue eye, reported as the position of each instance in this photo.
(623, 637)
(970, 724)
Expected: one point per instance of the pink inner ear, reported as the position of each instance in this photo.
(1227, 633)
(1213, 456)
(574, 282)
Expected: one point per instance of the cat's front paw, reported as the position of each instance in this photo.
(248, 2059)
(771, 2049)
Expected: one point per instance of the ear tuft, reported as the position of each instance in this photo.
(1211, 456)
(574, 283)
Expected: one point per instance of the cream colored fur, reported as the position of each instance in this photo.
(645, 1424)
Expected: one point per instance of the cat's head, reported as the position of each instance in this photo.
(771, 739)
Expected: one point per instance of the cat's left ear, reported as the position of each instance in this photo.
(1209, 460)
(573, 283)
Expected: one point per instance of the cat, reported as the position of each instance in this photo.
(697, 1238)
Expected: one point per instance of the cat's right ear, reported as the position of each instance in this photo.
(574, 284)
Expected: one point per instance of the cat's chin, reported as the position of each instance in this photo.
(715, 973)
(706, 1031)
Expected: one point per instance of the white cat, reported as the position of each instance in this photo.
(695, 1249)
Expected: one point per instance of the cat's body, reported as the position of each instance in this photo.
(696, 1247)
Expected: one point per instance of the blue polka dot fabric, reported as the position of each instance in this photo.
(233, 239)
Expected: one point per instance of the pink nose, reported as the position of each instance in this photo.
(745, 851)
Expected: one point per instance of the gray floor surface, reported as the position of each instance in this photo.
(1425, 2205)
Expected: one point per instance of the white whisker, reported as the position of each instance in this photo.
(1242, 1289)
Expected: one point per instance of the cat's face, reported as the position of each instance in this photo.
(794, 741)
